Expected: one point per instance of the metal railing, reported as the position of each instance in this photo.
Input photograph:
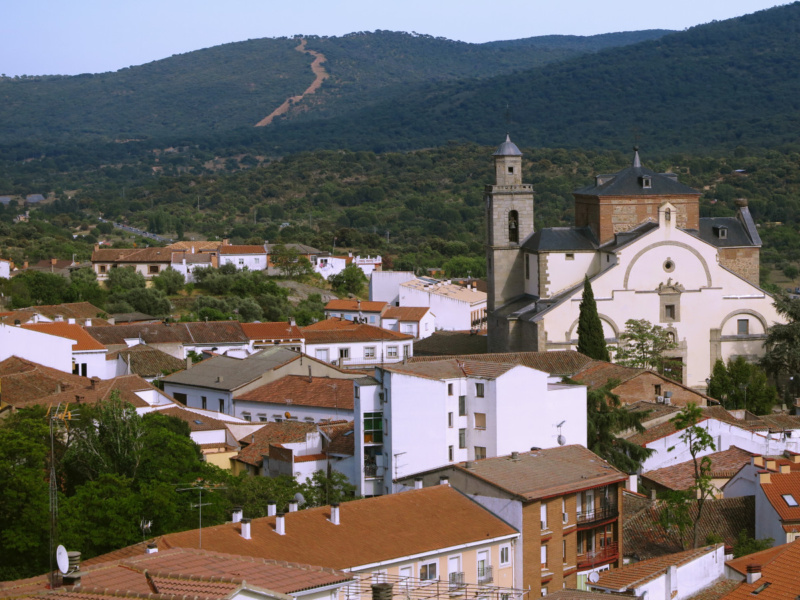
(602, 513)
(485, 574)
(593, 557)
(411, 588)
(456, 580)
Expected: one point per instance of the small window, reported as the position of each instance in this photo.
(480, 420)
(479, 390)
(480, 452)
(527, 266)
(203, 402)
(369, 352)
(257, 260)
(344, 352)
(449, 419)
(462, 406)
(658, 389)
(669, 312)
(222, 405)
(505, 556)
(743, 326)
(152, 269)
(789, 499)
(246, 416)
(543, 553)
(510, 170)
(177, 395)
(241, 261)
(406, 350)
(513, 227)
(391, 352)
(449, 389)
(569, 256)
(262, 418)
(647, 183)
(102, 268)
(668, 215)
(356, 391)
(462, 438)
(450, 453)
(427, 571)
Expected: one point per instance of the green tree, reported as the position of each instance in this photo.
(742, 385)
(34, 287)
(591, 340)
(676, 513)
(746, 545)
(324, 489)
(84, 287)
(309, 310)
(125, 278)
(253, 493)
(145, 300)
(169, 281)
(351, 280)
(644, 345)
(289, 262)
(782, 346)
(696, 440)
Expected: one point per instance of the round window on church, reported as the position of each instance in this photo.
(669, 266)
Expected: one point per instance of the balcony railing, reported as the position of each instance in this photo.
(485, 574)
(371, 471)
(593, 557)
(602, 513)
(456, 580)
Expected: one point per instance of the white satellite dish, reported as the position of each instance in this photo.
(561, 440)
(300, 499)
(594, 577)
(62, 560)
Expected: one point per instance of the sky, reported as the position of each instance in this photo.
(48, 37)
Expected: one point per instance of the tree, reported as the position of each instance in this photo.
(169, 281)
(643, 345)
(696, 440)
(591, 340)
(289, 262)
(606, 418)
(782, 346)
(742, 385)
(676, 512)
(84, 287)
(746, 545)
(125, 278)
(351, 280)
(324, 489)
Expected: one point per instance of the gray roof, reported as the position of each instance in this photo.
(623, 238)
(556, 239)
(229, 374)
(629, 182)
(738, 233)
(507, 148)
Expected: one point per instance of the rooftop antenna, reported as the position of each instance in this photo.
(200, 486)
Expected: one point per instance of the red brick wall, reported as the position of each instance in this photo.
(642, 387)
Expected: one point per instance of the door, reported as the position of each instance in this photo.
(484, 573)
(589, 508)
(405, 577)
(456, 577)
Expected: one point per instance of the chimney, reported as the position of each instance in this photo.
(771, 464)
(53, 262)
(758, 461)
(515, 455)
(73, 576)
(381, 591)
(237, 514)
(87, 323)
(335, 513)
(95, 380)
(633, 482)
(219, 378)
(763, 477)
(271, 508)
(188, 362)
(469, 464)
(280, 525)
(17, 322)
(444, 480)
(59, 319)
(245, 528)
(58, 388)
(417, 483)
(71, 321)
(310, 377)
(753, 573)
(292, 506)
(653, 495)
(292, 322)
(152, 548)
(25, 264)
(786, 469)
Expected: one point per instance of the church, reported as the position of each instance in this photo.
(639, 238)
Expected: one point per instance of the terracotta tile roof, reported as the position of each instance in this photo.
(654, 433)
(332, 331)
(633, 503)
(342, 440)
(272, 331)
(406, 313)
(452, 368)
(256, 445)
(716, 590)
(196, 422)
(784, 484)
(192, 258)
(301, 248)
(242, 249)
(197, 245)
(226, 373)
(132, 255)
(126, 385)
(597, 373)
(147, 361)
(645, 538)
(781, 571)
(356, 305)
(370, 530)
(212, 332)
(757, 558)
(302, 390)
(579, 595)
(80, 311)
(24, 382)
(781, 421)
(545, 473)
(681, 476)
(638, 573)
(563, 362)
(654, 410)
(83, 341)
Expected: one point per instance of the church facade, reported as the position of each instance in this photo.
(639, 238)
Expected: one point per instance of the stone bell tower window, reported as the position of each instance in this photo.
(667, 215)
(513, 227)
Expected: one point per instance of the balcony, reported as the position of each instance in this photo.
(601, 555)
(456, 581)
(485, 574)
(373, 472)
(587, 517)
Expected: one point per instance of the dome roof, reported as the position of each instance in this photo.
(507, 148)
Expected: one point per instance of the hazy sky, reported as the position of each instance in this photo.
(91, 36)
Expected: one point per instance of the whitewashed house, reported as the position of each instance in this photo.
(88, 355)
(5, 268)
(349, 344)
(45, 349)
(384, 286)
(186, 263)
(417, 321)
(457, 308)
(252, 258)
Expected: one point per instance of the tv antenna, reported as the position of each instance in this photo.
(200, 486)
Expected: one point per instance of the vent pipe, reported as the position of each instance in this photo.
(280, 524)
(152, 548)
(271, 508)
(417, 483)
(246, 528)
(335, 513)
(444, 480)
(237, 514)
(292, 506)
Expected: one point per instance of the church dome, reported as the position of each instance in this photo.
(507, 148)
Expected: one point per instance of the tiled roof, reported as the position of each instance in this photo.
(196, 422)
(781, 421)
(452, 368)
(272, 331)
(562, 239)
(654, 410)
(183, 573)
(565, 594)
(342, 439)
(132, 255)
(355, 305)
(406, 313)
(242, 250)
(784, 484)
(192, 258)
(197, 245)
(781, 571)
(301, 248)
(133, 317)
(256, 445)
(147, 361)
(644, 536)
(638, 573)
(370, 530)
(126, 385)
(443, 344)
(83, 341)
(757, 558)
(211, 332)
(302, 390)
(716, 590)
(80, 311)
(564, 362)
(681, 476)
(654, 433)
(545, 473)
(598, 372)
(627, 182)
(332, 331)
(24, 382)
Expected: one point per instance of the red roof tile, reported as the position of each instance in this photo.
(356, 305)
(681, 477)
(256, 445)
(780, 485)
(331, 331)
(406, 313)
(83, 341)
(242, 250)
(304, 391)
(272, 331)
(639, 573)
(132, 255)
(24, 382)
(780, 570)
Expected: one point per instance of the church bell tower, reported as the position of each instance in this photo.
(509, 219)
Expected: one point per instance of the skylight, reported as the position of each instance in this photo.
(789, 499)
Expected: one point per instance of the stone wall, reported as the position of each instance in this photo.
(742, 261)
(643, 387)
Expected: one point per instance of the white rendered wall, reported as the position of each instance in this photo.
(356, 351)
(277, 411)
(692, 578)
(251, 262)
(451, 314)
(366, 400)
(194, 396)
(96, 363)
(48, 350)
(384, 286)
(768, 522)
(563, 273)
(5, 269)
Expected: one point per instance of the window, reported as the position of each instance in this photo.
(222, 405)
(179, 397)
(257, 260)
(203, 402)
(277, 418)
(658, 389)
(462, 406)
(241, 261)
(510, 170)
(743, 326)
(669, 312)
(480, 420)
(450, 453)
(372, 319)
(321, 354)
(564, 551)
(543, 553)
(647, 183)
(344, 352)
(462, 438)
(569, 256)
(544, 592)
(479, 390)
(789, 499)
(152, 269)
(543, 513)
(406, 350)
(449, 419)
(513, 227)
(262, 417)
(505, 556)
(391, 352)
(102, 268)
(480, 452)
(356, 391)
(369, 352)
(449, 389)
(427, 571)
(373, 428)
(527, 266)
(246, 416)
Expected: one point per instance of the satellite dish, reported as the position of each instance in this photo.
(62, 560)
(561, 440)
(300, 499)
(594, 577)
(287, 414)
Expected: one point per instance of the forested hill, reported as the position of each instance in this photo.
(215, 90)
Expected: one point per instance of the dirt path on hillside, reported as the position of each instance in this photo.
(320, 75)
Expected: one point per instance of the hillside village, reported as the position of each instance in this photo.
(457, 418)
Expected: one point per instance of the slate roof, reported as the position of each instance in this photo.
(447, 343)
(336, 330)
(370, 530)
(557, 363)
(562, 239)
(623, 238)
(780, 570)
(272, 331)
(724, 464)
(226, 373)
(507, 148)
(301, 390)
(737, 234)
(83, 341)
(639, 573)
(211, 332)
(354, 305)
(451, 369)
(644, 536)
(147, 361)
